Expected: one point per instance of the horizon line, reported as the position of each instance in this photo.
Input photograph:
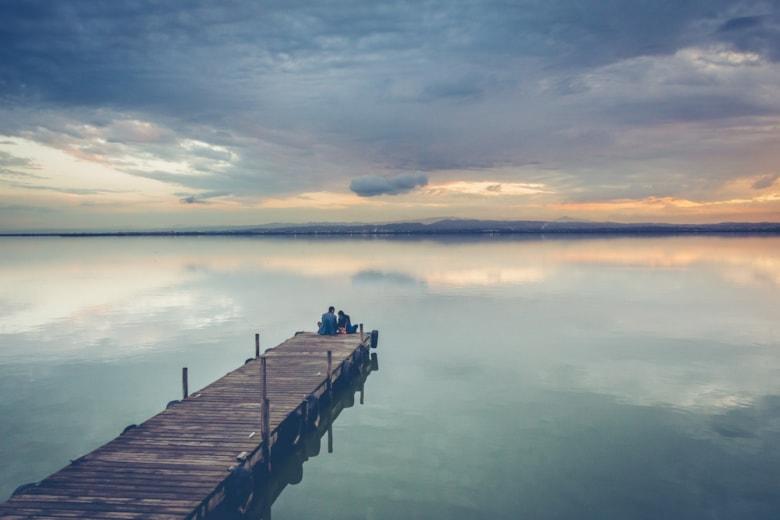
(445, 226)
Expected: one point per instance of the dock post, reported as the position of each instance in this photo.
(184, 389)
(330, 375)
(361, 332)
(257, 345)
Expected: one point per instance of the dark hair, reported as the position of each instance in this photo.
(331, 308)
(341, 313)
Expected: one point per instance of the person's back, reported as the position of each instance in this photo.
(329, 325)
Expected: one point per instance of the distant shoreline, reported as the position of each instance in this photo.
(450, 227)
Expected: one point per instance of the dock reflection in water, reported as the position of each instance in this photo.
(287, 463)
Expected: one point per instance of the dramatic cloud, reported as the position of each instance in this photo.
(372, 185)
(758, 33)
(269, 103)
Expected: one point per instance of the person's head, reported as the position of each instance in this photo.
(331, 309)
(341, 313)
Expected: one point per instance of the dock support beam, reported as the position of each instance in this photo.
(265, 414)
(330, 376)
(184, 386)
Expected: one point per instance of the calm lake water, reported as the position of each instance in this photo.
(547, 378)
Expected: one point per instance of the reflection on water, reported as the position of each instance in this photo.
(287, 462)
(586, 378)
(153, 276)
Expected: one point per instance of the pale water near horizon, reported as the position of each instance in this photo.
(556, 378)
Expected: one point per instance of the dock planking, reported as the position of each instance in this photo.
(189, 460)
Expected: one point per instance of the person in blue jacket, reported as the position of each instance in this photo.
(329, 323)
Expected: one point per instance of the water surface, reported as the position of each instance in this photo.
(548, 378)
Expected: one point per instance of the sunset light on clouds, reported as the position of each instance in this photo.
(137, 115)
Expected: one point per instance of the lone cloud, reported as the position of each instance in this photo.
(765, 181)
(373, 185)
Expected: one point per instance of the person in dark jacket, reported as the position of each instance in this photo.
(346, 323)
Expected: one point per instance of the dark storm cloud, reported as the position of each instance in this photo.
(170, 57)
(290, 94)
(754, 33)
(373, 185)
(741, 23)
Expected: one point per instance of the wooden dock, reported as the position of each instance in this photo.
(203, 455)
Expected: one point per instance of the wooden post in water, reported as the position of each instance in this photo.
(330, 376)
(257, 345)
(184, 387)
(361, 332)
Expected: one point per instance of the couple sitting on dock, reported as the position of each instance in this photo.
(329, 325)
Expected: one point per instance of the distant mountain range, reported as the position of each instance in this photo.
(446, 227)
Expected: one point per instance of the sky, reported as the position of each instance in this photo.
(156, 115)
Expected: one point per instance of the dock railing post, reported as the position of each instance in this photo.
(257, 345)
(330, 375)
(184, 387)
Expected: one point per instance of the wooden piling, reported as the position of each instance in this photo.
(257, 345)
(184, 384)
(361, 332)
